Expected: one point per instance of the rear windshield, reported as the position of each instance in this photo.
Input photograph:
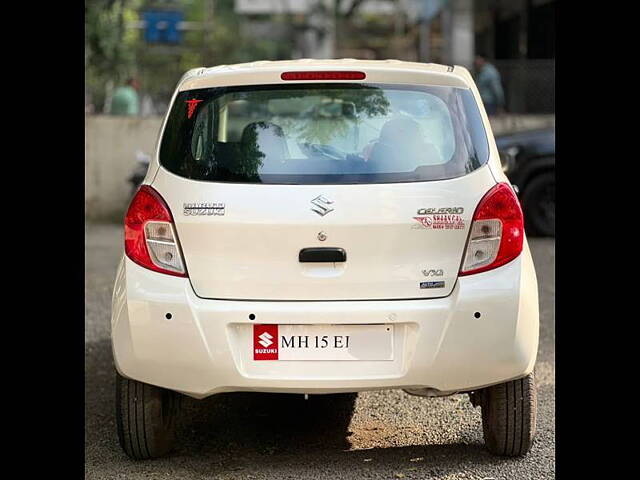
(324, 134)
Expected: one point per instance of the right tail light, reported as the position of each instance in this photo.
(497, 231)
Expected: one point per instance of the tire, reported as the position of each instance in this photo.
(145, 417)
(539, 204)
(509, 416)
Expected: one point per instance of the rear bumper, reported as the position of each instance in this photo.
(206, 346)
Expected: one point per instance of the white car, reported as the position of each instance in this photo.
(322, 227)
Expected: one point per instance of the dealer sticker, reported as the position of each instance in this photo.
(447, 218)
(191, 106)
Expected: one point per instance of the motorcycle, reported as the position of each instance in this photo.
(139, 171)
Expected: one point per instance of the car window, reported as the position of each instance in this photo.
(330, 133)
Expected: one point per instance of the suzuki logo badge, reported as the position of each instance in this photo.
(265, 339)
(321, 205)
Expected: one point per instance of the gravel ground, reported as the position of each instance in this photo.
(390, 435)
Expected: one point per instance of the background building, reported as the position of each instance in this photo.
(518, 35)
(521, 36)
(157, 40)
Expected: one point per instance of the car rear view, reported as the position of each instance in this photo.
(323, 227)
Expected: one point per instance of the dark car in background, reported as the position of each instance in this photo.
(529, 160)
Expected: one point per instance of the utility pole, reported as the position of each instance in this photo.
(209, 6)
(424, 41)
(323, 19)
(458, 29)
(429, 9)
(523, 41)
(398, 31)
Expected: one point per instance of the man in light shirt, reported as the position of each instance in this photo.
(489, 85)
(125, 100)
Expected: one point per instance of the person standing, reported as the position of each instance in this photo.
(125, 100)
(489, 85)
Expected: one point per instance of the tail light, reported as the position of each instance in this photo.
(497, 231)
(150, 238)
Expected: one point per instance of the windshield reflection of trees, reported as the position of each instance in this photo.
(340, 111)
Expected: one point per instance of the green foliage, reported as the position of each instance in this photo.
(317, 125)
(108, 45)
(161, 66)
(114, 49)
(252, 157)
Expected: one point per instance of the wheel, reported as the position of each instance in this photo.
(509, 416)
(145, 417)
(539, 204)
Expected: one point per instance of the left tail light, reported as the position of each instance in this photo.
(150, 238)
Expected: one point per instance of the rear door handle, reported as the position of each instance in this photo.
(318, 255)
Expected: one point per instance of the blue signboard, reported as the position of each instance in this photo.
(430, 8)
(162, 26)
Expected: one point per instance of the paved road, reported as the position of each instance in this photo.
(258, 436)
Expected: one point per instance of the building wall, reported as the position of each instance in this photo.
(110, 156)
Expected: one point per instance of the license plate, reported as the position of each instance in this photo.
(323, 342)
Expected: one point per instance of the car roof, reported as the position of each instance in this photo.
(377, 71)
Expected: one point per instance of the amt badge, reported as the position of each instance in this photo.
(265, 342)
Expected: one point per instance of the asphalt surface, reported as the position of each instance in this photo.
(390, 434)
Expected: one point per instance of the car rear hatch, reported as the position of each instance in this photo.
(323, 192)
(250, 247)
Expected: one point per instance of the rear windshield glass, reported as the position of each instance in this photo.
(324, 134)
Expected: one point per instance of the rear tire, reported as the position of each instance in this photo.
(145, 417)
(539, 204)
(509, 416)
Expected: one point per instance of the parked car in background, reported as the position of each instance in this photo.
(529, 160)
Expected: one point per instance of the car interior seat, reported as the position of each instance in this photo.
(266, 141)
(401, 147)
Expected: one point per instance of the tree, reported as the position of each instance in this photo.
(108, 45)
